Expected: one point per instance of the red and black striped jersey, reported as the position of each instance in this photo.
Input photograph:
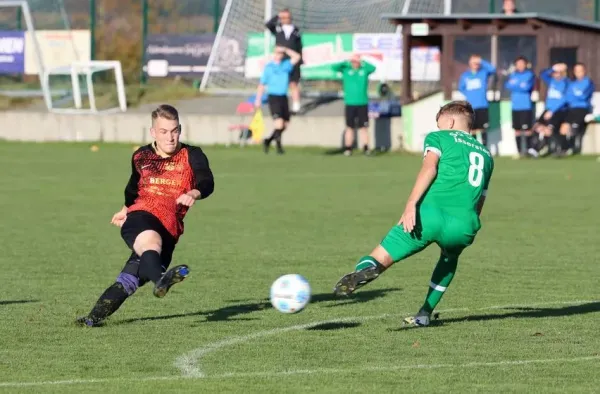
(156, 182)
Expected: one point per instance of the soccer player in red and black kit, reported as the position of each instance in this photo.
(167, 178)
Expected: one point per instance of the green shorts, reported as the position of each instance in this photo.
(453, 233)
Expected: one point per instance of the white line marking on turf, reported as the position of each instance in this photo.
(267, 374)
(188, 363)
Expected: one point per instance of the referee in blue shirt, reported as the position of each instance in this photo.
(276, 79)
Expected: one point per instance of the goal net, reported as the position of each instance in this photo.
(332, 30)
(42, 55)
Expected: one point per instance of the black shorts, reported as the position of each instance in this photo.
(555, 121)
(357, 116)
(138, 222)
(482, 119)
(522, 120)
(295, 74)
(279, 107)
(576, 119)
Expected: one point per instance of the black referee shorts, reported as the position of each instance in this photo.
(279, 107)
(138, 222)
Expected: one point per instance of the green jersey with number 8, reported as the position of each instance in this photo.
(464, 171)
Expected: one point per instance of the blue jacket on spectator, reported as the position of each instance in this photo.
(579, 93)
(556, 98)
(521, 85)
(473, 85)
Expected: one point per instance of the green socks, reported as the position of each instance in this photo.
(367, 262)
(440, 280)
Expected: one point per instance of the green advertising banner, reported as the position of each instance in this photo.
(319, 53)
(321, 50)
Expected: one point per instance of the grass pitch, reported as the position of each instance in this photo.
(522, 314)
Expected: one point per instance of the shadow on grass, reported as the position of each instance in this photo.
(518, 313)
(333, 326)
(10, 302)
(234, 312)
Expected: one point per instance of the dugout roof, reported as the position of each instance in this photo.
(551, 32)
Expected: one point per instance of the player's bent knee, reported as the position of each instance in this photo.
(147, 240)
(130, 282)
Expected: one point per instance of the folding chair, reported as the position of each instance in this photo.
(245, 111)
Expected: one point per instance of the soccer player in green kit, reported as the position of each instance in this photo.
(443, 208)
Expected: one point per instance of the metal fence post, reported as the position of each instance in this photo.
(144, 35)
(492, 8)
(597, 10)
(93, 29)
(19, 17)
(216, 16)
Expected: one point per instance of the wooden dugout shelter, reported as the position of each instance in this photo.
(553, 36)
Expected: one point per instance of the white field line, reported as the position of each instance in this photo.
(188, 363)
(325, 371)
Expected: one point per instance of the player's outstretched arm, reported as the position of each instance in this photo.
(119, 218)
(132, 187)
(205, 182)
(425, 177)
(131, 194)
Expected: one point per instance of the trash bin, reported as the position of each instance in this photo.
(381, 112)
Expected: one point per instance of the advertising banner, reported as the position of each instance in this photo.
(59, 48)
(320, 51)
(12, 52)
(187, 55)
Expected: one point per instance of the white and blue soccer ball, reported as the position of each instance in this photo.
(290, 293)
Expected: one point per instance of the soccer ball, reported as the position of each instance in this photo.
(290, 293)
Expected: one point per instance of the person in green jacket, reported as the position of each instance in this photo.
(355, 80)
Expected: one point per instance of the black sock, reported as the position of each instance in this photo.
(109, 302)
(518, 141)
(150, 266)
(529, 142)
(365, 147)
(278, 133)
(564, 143)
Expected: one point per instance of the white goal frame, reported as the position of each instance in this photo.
(87, 68)
(24, 5)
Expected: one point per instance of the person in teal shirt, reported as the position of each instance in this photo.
(355, 80)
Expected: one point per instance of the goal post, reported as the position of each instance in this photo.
(331, 29)
(27, 16)
(88, 69)
(62, 56)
